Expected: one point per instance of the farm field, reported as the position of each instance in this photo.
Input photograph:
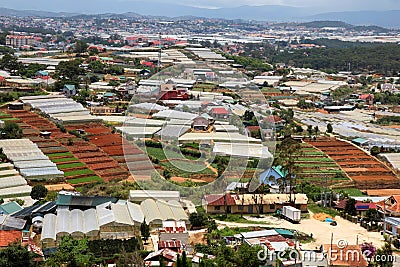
(366, 171)
(79, 159)
(121, 154)
(317, 168)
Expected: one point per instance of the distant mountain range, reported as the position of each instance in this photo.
(273, 13)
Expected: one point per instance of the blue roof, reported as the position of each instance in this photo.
(285, 232)
(70, 87)
(360, 141)
(10, 208)
(43, 73)
(108, 94)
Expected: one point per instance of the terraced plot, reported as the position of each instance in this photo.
(366, 171)
(76, 159)
(317, 168)
(127, 155)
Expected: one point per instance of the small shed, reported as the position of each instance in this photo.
(360, 141)
(200, 124)
(69, 90)
(45, 134)
(16, 106)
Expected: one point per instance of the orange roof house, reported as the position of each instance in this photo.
(8, 237)
(350, 255)
(390, 206)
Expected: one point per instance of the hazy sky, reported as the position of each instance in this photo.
(104, 5)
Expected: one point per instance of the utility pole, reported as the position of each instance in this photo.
(159, 52)
(330, 252)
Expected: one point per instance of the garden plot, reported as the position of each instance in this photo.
(119, 151)
(76, 171)
(366, 171)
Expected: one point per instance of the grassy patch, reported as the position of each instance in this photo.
(235, 218)
(177, 168)
(63, 154)
(70, 165)
(79, 188)
(319, 209)
(237, 230)
(89, 179)
(10, 119)
(78, 172)
(64, 160)
(354, 192)
(159, 154)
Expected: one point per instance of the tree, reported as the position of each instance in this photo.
(67, 72)
(178, 261)
(304, 105)
(167, 174)
(10, 63)
(3, 156)
(39, 192)
(247, 256)
(373, 216)
(11, 130)
(375, 151)
(316, 130)
(309, 130)
(299, 129)
(384, 256)
(16, 255)
(97, 66)
(350, 207)
(329, 128)
(80, 47)
(185, 262)
(286, 155)
(20, 202)
(198, 219)
(145, 231)
(368, 250)
(72, 252)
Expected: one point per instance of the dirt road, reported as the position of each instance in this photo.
(322, 231)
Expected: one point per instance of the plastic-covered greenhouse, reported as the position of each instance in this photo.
(30, 160)
(12, 181)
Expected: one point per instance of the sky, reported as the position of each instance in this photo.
(93, 6)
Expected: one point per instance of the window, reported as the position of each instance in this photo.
(271, 206)
(240, 208)
(217, 208)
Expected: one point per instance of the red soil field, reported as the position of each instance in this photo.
(366, 171)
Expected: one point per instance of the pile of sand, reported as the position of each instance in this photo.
(322, 216)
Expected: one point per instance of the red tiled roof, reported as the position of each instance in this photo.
(365, 96)
(7, 237)
(359, 205)
(341, 204)
(253, 128)
(392, 208)
(221, 111)
(218, 200)
(169, 244)
(345, 256)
